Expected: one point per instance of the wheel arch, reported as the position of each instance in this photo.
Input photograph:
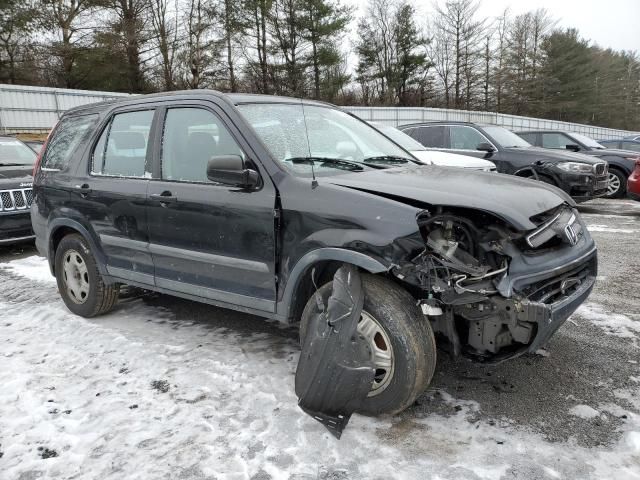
(60, 228)
(300, 284)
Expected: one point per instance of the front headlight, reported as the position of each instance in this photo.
(575, 167)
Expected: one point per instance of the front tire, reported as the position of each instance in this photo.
(401, 340)
(80, 284)
(617, 184)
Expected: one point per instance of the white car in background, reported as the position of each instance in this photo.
(434, 157)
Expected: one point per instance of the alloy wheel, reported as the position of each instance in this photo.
(614, 184)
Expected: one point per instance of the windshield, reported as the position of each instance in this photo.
(505, 138)
(14, 152)
(293, 132)
(586, 141)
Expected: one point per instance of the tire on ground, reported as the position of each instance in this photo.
(101, 297)
(413, 342)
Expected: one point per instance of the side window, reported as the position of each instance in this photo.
(191, 137)
(67, 136)
(555, 140)
(631, 146)
(434, 137)
(528, 137)
(466, 138)
(122, 148)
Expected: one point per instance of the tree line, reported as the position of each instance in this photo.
(453, 57)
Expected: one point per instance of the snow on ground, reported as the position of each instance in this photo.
(608, 229)
(139, 394)
(612, 323)
(34, 268)
(584, 411)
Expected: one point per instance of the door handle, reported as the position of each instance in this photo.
(164, 197)
(84, 189)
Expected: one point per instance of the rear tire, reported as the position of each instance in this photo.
(412, 344)
(80, 284)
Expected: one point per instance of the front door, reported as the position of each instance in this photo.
(209, 240)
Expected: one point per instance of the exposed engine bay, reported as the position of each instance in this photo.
(463, 280)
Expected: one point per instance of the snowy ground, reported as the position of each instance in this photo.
(164, 388)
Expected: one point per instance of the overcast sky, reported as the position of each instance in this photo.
(609, 23)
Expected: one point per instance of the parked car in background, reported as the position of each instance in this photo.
(582, 177)
(16, 166)
(253, 202)
(621, 162)
(632, 137)
(35, 145)
(434, 157)
(633, 184)
(624, 144)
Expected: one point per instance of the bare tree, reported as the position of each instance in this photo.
(165, 34)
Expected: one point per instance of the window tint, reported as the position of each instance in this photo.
(191, 137)
(631, 146)
(529, 137)
(434, 137)
(466, 138)
(122, 148)
(556, 140)
(68, 135)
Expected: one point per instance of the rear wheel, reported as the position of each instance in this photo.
(617, 184)
(80, 284)
(400, 338)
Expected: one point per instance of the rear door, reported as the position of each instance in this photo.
(113, 195)
(209, 240)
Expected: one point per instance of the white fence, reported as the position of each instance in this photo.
(36, 109)
(395, 116)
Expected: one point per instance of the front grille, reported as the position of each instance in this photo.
(600, 168)
(551, 290)
(12, 200)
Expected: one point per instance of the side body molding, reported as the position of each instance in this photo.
(366, 262)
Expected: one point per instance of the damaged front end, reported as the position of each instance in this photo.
(494, 292)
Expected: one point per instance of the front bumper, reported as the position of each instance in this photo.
(583, 186)
(552, 316)
(15, 227)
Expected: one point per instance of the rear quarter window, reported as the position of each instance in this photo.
(68, 135)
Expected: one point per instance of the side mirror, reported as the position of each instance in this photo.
(231, 170)
(485, 147)
(573, 147)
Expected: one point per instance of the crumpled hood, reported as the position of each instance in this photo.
(552, 155)
(15, 177)
(511, 198)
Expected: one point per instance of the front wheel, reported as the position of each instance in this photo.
(80, 284)
(400, 338)
(617, 184)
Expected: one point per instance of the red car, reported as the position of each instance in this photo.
(633, 184)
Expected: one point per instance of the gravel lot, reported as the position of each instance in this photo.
(167, 388)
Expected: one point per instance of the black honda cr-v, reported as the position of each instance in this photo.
(254, 202)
